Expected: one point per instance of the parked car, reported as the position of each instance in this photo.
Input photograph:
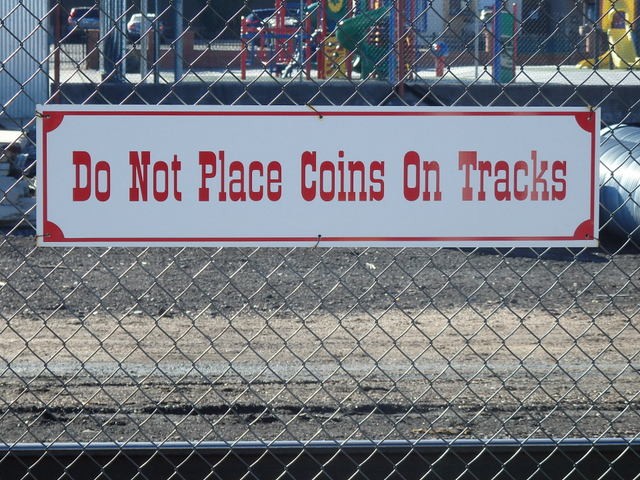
(79, 21)
(83, 18)
(134, 26)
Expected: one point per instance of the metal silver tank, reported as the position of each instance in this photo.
(620, 180)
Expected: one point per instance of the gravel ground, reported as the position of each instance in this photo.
(276, 344)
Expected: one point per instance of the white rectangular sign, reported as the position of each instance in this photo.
(152, 175)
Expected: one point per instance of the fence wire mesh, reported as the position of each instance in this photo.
(268, 345)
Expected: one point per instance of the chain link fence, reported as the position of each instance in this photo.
(319, 362)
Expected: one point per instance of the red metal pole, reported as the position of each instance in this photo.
(262, 46)
(515, 37)
(439, 66)
(349, 58)
(322, 23)
(307, 47)
(280, 33)
(281, 12)
(399, 41)
(412, 38)
(243, 52)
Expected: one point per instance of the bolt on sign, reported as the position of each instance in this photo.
(334, 176)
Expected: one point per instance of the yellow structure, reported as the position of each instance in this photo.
(335, 58)
(617, 19)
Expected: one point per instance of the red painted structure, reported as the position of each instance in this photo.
(278, 41)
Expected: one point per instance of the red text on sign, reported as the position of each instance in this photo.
(237, 182)
(343, 180)
(161, 179)
(90, 178)
(419, 177)
(533, 179)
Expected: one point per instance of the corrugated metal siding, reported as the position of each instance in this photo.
(23, 59)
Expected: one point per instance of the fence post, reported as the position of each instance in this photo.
(179, 41)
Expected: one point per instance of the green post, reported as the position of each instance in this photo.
(504, 47)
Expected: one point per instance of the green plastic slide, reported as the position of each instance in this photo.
(355, 34)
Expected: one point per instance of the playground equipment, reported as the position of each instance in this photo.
(334, 60)
(291, 38)
(501, 39)
(380, 35)
(384, 39)
(269, 38)
(363, 34)
(373, 33)
(616, 20)
(440, 50)
(505, 47)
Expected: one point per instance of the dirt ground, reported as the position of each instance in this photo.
(311, 344)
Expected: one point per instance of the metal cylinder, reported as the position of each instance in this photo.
(620, 181)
